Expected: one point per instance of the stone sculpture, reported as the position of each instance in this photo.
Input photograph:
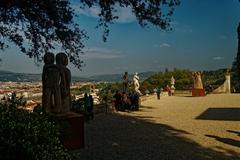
(197, 89)
(197, 80)
(56, 79)
(172, 86)
(136, 83)
(51, 77)
(226, 86)
(62, 62)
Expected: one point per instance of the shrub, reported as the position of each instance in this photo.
(25, 135)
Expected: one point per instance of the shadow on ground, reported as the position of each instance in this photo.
(117, 137)
(224, 114)
(228, 141)
(234, 132)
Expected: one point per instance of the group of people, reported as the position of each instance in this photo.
(123, 101)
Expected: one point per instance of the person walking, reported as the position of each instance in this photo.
(158, 91)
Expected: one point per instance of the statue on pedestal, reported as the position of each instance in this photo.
(197, 80)
(228, 81)
(56, 80)
(197, 89)
(62, 62)
(136, 83)
(51, 77)
(172, 88)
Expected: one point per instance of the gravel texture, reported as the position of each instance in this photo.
(172, 128)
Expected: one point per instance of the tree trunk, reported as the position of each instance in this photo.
(238, 52)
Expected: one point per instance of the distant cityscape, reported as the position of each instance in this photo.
(29, 86)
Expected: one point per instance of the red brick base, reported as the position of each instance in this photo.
(198, 92)
(74, 131)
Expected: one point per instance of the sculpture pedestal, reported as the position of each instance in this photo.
(72, 130)
(198, 92)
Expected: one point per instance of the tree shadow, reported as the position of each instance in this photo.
(147, 107)
(226, 140)
(122, 137)
(222, 114)
(236, 132)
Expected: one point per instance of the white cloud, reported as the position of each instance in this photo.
(218, 58)
(90, 12)
(165, 45)
(101, 53)
(124, 14)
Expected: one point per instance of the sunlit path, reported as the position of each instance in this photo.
(215, 114)
(170, 128)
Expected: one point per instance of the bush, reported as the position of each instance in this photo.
(25, 135)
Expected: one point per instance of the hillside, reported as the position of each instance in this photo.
(6, 76)
(183, 79)
(118, 77)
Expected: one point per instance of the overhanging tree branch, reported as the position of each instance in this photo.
(38, 26)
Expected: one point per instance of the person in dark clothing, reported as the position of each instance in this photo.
(118, 100)
(135, 101)
(158, 92)
(90, 107)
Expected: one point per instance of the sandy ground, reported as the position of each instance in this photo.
(172, 128)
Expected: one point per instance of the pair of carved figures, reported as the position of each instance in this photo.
(197, 80)
(56, 80)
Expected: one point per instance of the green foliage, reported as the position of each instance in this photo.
(104, 88)
(215, 78)
(183, 79)
(157, 12)
(26, 135)
(42, 25)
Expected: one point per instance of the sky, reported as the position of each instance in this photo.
(204, 37)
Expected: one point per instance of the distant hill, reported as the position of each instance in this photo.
(118, 77)
(6, 76)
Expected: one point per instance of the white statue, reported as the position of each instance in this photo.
(197, 81)
(228, 81)
(172, 86)
(136, 83)
(172, 80)
(226, 86)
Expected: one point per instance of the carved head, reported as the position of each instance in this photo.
(62, 59)
(48, 58)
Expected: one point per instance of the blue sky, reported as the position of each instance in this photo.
(203, 38)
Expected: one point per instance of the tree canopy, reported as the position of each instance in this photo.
(39, 26)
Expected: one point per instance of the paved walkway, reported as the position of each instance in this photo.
(173, 128)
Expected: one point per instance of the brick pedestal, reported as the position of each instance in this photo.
(198, 92)
(73, 130)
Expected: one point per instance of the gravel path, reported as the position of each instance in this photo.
(173, 128)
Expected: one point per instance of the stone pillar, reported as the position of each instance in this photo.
(228, 82)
